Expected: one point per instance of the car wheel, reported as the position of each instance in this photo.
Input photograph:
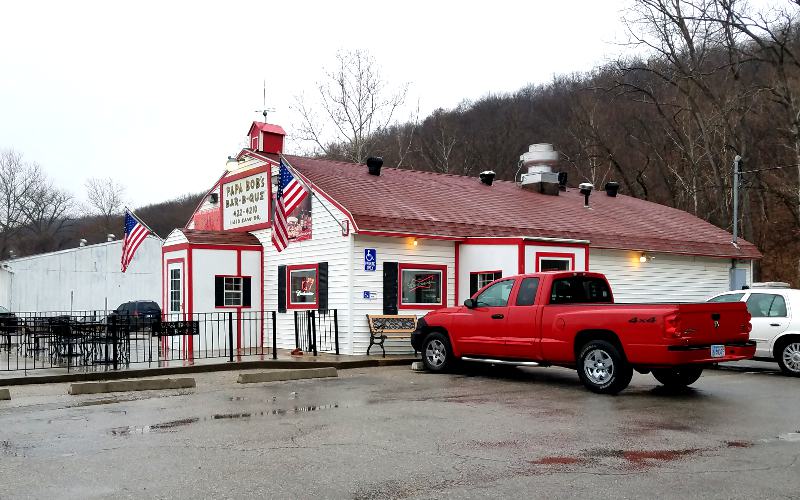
(602, 368)
(680, 376)
(437, 355)
(788, 357)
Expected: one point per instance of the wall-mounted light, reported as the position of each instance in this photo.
(415, 242)
(233, 163)
(644, 257)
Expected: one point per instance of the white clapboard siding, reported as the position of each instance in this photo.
(664, 278)
(326, 245)
(176, 237)
(400, 250)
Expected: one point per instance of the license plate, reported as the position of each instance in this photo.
(717, 351)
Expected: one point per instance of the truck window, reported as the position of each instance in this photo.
(527, 291)
(579, 290)
(496, 295)
(766, 305)
(730, 297)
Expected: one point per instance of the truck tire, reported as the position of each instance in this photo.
(437, 354)
(602, 368)
(680, 376)
(788, 356)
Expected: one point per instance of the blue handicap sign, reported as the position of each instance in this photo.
(370, 259)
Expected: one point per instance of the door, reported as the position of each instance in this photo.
(175, 306)
(483, 328)
(769, 319)
(523, 322)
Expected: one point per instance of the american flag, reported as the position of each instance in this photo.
(291, 192)
(135, 233)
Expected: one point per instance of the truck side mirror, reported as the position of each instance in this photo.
(470, 304)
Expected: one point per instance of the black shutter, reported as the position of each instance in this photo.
(473, 284)
(246, 294)
(322, 286)
(219, 291)
(281, 289)
(390, 288)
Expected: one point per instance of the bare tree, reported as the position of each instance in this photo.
(105, 196)
(17, 184)
(354, 104)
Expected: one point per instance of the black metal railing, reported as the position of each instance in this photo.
(317, 331)
(30, 341)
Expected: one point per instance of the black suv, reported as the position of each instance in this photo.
(141, 314)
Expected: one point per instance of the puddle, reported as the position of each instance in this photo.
(557, 461)
(739, 444)
(97, 402)
(167, 426)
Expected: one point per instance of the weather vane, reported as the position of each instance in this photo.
(266, 109)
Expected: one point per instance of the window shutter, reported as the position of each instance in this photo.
(390, 288)
(473, 284)
(246, 294)
(219, 291)
(322, 286)
(281, 289)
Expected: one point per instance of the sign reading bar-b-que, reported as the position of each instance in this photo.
(245, 202)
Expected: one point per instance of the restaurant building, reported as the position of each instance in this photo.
(378, 240)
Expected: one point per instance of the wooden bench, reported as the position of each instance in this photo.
(389, 326)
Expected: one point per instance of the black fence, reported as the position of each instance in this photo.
(317, 331)
(100, 340)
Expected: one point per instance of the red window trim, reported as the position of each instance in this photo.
(234, 276)
(555, 255)
(301, 267)
(410, 267)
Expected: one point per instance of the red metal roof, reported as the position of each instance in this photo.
(267, 127)
(427, 203)
(196, 236)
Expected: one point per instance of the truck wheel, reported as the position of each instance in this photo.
(437, 355)
(788, 357)
(602, 368)
(680, 376)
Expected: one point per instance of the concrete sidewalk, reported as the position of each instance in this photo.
(285, 361)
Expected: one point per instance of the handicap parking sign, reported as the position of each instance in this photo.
(370, 259)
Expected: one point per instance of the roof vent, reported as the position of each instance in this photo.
(82, 242)
(586, 191)
(612, 188)
(374, 164)
(111, 237)
(487, 177)
(213, 198)
(539, 160)
(562, 181)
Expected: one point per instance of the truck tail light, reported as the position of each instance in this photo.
(672, 326)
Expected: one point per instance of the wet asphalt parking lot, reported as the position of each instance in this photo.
(393, 433)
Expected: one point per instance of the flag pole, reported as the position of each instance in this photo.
(300, 178)
(142, 223)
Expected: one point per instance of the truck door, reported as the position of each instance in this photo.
(769, 319)
(524, 318)
(484, 327)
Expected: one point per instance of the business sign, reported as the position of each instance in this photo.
(245, 202)
(370, 259)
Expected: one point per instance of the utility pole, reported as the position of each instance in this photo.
(736, 160)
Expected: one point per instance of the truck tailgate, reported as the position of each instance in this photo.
(713, 322)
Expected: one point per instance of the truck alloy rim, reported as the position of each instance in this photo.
(791, 356)
(435, 352)
(598, 366)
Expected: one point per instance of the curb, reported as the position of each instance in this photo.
(218, 367)
(153, 384)
(279, 375)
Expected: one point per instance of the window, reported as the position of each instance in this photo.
(579, 290)
(527, 292)
(175, 290)
(766, 305)
(555, 264)
(422, 286)
(729, 297)
(232, 287)
(302, 287)
(480, 279)
(496, 295)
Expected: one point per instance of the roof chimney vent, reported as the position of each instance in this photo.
(110, 237)
(562, 181)
(374, 164)
(612, 188)
(82, 242)
(487, 177)
(539, 160)
(586, 191)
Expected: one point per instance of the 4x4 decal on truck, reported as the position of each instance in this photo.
(651, 319)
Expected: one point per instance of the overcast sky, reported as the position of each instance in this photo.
(158, 94)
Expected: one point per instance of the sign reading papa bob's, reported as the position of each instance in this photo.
(245, 202)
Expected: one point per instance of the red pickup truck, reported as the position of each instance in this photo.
(570, 319)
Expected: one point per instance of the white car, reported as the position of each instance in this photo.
(775, 311)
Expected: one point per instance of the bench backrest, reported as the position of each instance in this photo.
(392, 323)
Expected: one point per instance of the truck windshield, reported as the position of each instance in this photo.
(579, 290)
